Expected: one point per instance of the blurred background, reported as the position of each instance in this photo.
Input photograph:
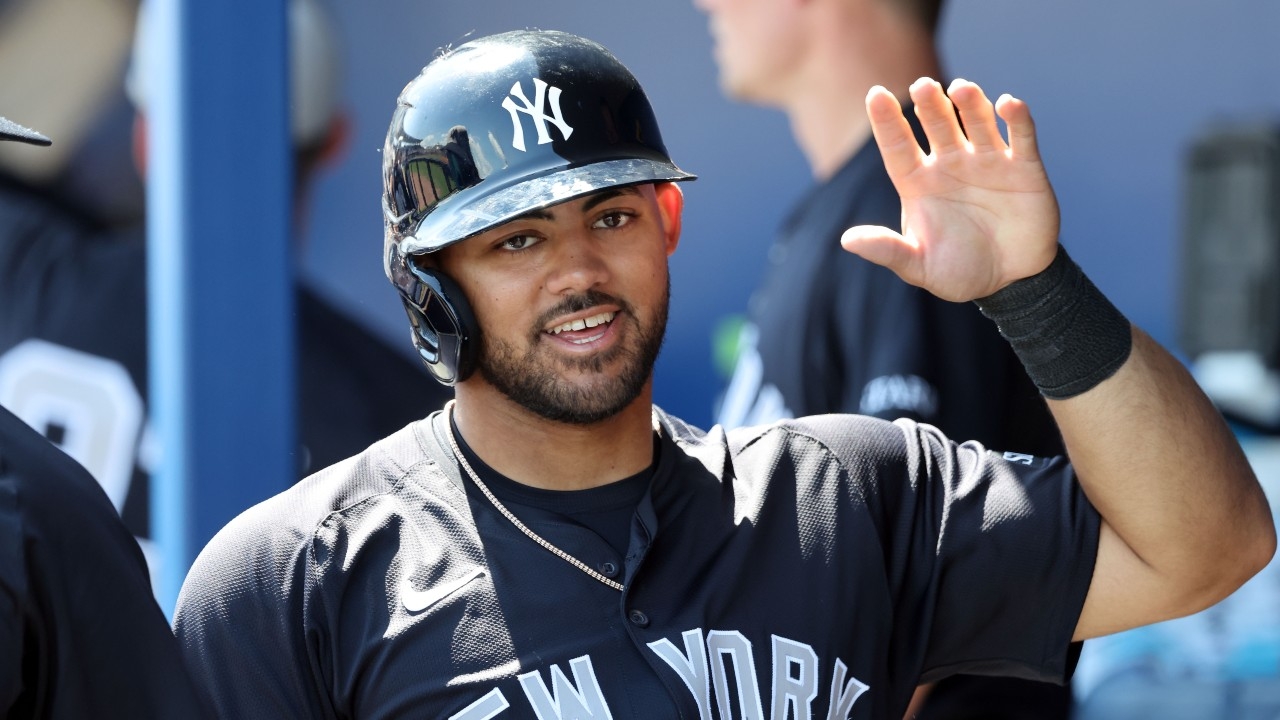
(1158, 124)
(1120, 91)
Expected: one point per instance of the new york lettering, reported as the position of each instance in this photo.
(718, 669)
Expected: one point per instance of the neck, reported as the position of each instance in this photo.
(542, 453)
(826, 102)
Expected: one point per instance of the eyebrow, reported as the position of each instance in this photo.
(607, 195)
(592, 201)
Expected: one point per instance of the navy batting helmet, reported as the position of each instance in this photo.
(491, 130)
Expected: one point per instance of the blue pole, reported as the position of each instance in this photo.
(219, 270)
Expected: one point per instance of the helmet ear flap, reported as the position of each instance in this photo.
(443, 325)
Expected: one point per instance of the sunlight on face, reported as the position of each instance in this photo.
(572, 301)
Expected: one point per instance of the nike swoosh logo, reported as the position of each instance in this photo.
(418, 600)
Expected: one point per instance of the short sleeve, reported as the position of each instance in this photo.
(1014, 548)
(986, 555)
(240, 622)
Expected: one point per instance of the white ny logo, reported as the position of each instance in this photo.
(534, 110)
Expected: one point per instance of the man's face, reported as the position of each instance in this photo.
(758, 43)
(572, 300)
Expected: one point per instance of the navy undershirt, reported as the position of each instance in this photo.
(606, 510)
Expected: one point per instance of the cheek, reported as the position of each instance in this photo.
(651, 275)
(500, 305)
(747, 23)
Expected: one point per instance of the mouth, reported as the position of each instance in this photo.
(583, 330)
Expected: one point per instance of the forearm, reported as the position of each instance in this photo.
(1185, 521)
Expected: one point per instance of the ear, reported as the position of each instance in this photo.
(336, 138)
(671, 206)
(140, 144)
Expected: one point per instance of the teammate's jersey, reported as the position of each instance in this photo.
(73, 354)
(813, 568)
(80, 634)
(831, 332)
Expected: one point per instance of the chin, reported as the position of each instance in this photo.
(742, 90)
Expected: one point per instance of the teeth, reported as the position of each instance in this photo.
(583, 324)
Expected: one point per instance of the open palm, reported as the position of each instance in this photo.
(977, 212)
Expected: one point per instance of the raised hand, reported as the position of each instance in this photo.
(977, 212)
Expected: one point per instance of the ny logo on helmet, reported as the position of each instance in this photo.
(534, 110)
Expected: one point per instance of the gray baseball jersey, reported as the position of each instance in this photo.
(815, 568)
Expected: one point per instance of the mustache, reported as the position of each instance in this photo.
(578, 303)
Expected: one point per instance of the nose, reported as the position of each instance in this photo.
(579, 265)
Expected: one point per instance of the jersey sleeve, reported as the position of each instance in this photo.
(907, 353)
(885, 343)
(987, 555)
(241, 621)
(1004, 573)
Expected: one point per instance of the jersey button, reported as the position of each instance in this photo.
(638, 618)
(608, 569)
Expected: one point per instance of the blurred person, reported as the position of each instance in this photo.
(81, 634)
(827, 331)
(73, 318)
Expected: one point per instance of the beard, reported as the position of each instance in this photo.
(535, 379)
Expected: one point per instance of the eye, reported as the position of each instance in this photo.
(612, 220)
(519, 242)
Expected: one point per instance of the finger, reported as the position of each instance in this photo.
(978, 115)
(898, 146)
(937, 116)
(1022, 130)
(882, 246)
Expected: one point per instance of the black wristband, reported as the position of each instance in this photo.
(1068, 336)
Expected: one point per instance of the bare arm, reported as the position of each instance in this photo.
(1184, 520)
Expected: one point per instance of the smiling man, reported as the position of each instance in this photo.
(552, 545)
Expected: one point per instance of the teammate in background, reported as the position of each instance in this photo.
(80, 632)
(829, 331)
(73, 342)
(353, 387)
(553, 545)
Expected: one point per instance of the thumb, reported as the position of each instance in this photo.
(881, 246)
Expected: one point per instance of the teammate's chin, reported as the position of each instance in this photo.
(537, 381)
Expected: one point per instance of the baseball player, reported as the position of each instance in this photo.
(80, 633)
(552, 545)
